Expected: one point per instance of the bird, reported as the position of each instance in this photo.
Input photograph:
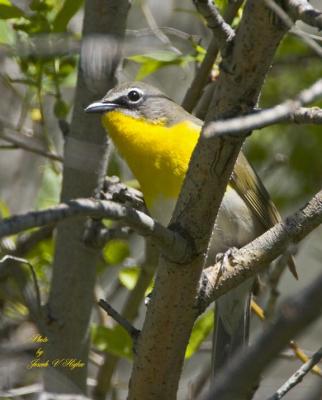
(156, 137)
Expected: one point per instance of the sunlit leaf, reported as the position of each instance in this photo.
(6, 34)
(153, 61)
(116, 251)
(128, 276)
(41, 257)
(68, 10)
(112, 340)
(8, 10)
(4, 210)
(200, 331)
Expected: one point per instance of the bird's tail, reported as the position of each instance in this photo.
(232, 315)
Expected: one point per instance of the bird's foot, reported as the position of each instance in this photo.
(225, 260)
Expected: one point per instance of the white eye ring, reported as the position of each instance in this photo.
(134, 95)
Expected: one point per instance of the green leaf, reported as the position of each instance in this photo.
(60, 109)
(6, 33)
(200, 331)
(153, 61)
(128, 276)
(162, 55)
(148, 69)
(116, 251)
(41, 257)
(4, 210)
(68, 10)
(112, 340)
(8, 10)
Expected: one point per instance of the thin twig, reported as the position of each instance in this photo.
(25, 143)
(130, 311)
(167, 29)
(303, 357)
(131, 330)
(296, 350)
(289, 23)
(33, 274)
(9, 147)
(296, 314)
(296, 378)
(154, 27)
(222, 31)
(288, 110)
(202, 75)
(302, 10)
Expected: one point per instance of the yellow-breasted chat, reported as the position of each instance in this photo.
(156, 137)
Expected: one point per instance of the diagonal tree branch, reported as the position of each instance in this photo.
(130, 329)
(222, 31)
(295, 315)
(298, 376)
(247, 261)
(202, 75)
(287, 20)
(302, 10)
(304, 115)
(171, 242)
(289, 110)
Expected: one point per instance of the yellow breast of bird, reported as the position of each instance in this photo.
(158, 155)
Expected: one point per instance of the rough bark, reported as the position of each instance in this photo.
(71, 294)
(170, 315)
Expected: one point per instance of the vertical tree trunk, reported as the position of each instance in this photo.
(170, 316)
(85, 159)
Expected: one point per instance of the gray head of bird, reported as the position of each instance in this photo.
(140, 100)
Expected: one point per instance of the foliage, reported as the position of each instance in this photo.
(112, 340)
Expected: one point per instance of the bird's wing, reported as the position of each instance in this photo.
(251, 189)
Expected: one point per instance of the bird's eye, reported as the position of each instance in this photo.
(134, 95)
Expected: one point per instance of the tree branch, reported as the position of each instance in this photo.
(287, 20)
(130, 329)
(171, 242)
(202, 75)
(34, 304)
(295, 315)
(289, 110)
(26, 143)
(84, 168)
(223, 32)
(303, 11)
(247, 261)
(115, 190)
(304, 115)
(298, 376)
(159, 358)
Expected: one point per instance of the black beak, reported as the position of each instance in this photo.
(101, 107)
